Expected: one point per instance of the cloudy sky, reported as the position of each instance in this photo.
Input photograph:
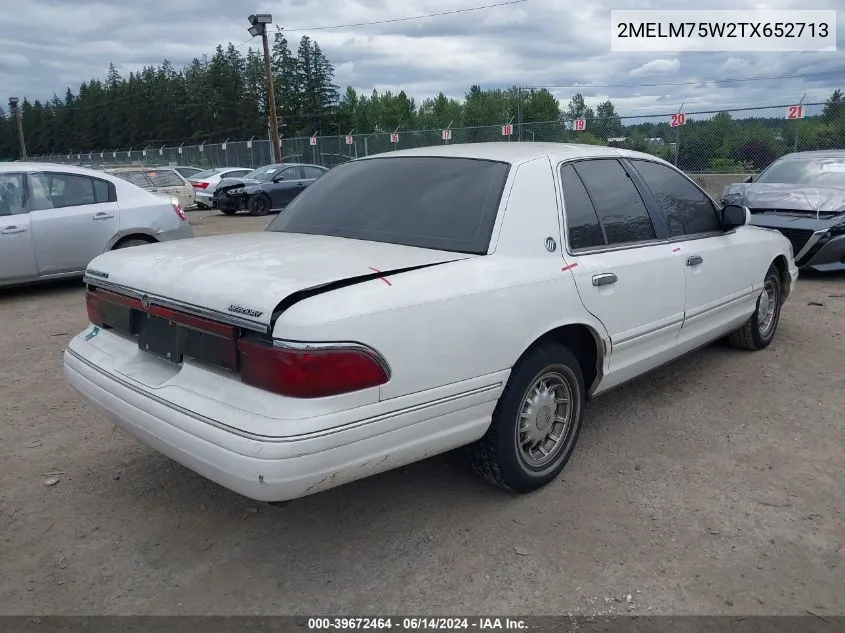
(48, 45)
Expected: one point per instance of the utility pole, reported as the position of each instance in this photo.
(13, 103)
(259, 27)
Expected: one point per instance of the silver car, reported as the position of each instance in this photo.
(206, 182)
(54, 219)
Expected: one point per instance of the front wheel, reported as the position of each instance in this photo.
(536, 422)
(760, 328)
(259, 204)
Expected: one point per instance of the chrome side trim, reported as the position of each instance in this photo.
(810, 243)
(700, 312)
(165, 302)
(292, 438)
(652, 330)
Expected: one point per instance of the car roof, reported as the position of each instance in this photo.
(515, 152)
(31, 167)
(820, 153)
(115, 170)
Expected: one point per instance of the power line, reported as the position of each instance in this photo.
(691, 83)
(407, 19)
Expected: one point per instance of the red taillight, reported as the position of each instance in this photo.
(94, 307)
(310, 373)
(200, 185)
(177, 209)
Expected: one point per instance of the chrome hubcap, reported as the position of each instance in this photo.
(766, 307)
(545, 419)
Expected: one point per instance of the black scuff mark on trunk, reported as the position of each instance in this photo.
(313, 291)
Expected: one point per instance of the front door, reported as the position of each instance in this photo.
(718, 264)
(628, 277)
(285, 187)
(17, 260)
(73, 220)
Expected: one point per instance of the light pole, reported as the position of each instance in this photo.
(16, 111)
(259, 24)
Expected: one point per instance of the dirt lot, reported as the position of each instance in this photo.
(714, 485)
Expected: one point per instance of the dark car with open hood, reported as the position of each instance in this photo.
(266, 189)
(802, 195)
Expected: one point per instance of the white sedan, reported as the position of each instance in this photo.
(418, 301)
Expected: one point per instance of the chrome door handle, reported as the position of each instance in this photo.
(694, 260)
(605, 279)
(13, 230)
(102, 215)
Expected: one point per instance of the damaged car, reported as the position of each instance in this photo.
(265, 190)
(802, 195)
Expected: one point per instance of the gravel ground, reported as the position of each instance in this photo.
(714, 485)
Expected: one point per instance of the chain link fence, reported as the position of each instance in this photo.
(718, 141)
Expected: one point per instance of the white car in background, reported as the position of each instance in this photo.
(205, 182)
(54, 219)
(417, 301)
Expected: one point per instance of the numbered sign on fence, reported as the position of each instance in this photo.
(143, 152)
(679, 118)
(129, 154)
(223, 146)
(202, 148)
(447, 135)
(507, 130)
(580, 125)
(161, 152)
(394, 137)
(114, 154)
(180, 150)
(249, 144)
(349, 139)
(313, 140)
(795, 112)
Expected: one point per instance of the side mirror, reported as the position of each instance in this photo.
(734, 215)
(748, 179)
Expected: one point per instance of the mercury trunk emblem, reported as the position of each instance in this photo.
(145, 301)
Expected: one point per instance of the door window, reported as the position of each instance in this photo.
(12, 198)
(582, 223)
(312, 173)
(290, 173)
(688, 210)
(617, 203)
(56, 191)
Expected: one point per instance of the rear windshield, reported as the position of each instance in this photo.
(138, 178)
(819, 172)
(205, 174)
(441, 203)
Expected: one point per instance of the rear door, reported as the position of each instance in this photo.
(17, 258)
(74, 218)
(624, 269)
(718, 264)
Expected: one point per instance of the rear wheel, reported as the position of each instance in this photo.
(760, 328)
(536, 422)
(259, 204)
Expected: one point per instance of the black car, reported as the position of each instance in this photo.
(802, 195)
(266, 189)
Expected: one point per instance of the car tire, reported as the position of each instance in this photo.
(760, 328)
(530, 412)
(129, 243)
(259, 204)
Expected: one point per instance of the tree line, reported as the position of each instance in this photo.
(224, 97)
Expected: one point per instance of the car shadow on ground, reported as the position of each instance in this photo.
(39, 289)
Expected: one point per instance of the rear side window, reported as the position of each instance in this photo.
(583, 227)
(617, 202)
(56, 191)
(290, 173)
(103, 191)
(311, 173)
(236, 174)
(429, 202)
(165, 178)
(12, 194)
(687, 209)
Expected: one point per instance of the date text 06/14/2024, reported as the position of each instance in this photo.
(417, 623)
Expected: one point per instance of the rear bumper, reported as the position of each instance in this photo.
(279, 468)
(183, 231)
(203, 196)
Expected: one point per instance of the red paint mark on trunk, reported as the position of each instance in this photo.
(385, 280)
(675, 250)
(565, 268)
